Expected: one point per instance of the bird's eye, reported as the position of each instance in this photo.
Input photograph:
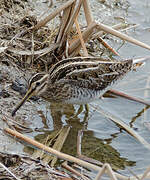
(38, 83)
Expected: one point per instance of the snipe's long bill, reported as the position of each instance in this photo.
(77, 80)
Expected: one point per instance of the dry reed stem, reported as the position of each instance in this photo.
(90, 160)
(47, 142)
(81, 38)
(133, 174)
(87, 11)
(14, 124)
(12, 174)
(79, 153)
(139, 89)
(146, 95)
(50, 150)
(123, 125)
(126, 96)
(125, 37)
(68, 24)
(106, 167)
(74, 16)
(52, 15)
(108, 30)
(79, 138)
(57, 153)
(76, 45)
(107, 46)
(32, 50)
(146, 174)
(59, 144)
(38, 52)
(131, 27)
(71, 22)
(69, 168)
(116, 27)
(120, 26)
(64, 22)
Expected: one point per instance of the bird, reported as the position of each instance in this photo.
(78, 80)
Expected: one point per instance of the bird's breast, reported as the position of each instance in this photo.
(83, 96)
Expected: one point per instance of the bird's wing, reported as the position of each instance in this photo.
(89, 72)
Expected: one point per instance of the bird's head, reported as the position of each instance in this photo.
(37, 85)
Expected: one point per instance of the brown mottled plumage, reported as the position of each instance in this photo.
(77, 80)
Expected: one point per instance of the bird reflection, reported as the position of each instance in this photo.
(100, 149)
(69, 113)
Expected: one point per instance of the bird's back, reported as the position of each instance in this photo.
(92, 73)
(87, 78)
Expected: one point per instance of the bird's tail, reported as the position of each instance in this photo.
(140, 62)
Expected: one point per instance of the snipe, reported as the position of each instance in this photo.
(77, 80)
